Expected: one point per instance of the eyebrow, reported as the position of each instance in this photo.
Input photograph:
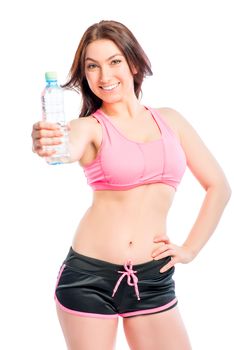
(108, 59)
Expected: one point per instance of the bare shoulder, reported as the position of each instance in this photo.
(168, 112)
(180, 125)
(88, 126)
(172, 118)
(83, 123)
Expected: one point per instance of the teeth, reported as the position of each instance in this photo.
(110, 87)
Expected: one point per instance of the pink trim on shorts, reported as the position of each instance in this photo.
(84, 314)
(126, 314)
(78, 313)
(59, 275)
(149, 311)
(134, 313)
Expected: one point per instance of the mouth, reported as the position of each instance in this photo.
(109, 87)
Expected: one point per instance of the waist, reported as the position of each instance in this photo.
(118, 225)
(91, 265)
(117, 243)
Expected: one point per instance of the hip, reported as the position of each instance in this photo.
(91, 287)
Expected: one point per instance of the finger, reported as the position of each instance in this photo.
(45, 125)
(41, 149)
(37, 134)
(162, 255)
(168, 266)
(162, 238)
(45, 153)
(40, 143)
(162, 249)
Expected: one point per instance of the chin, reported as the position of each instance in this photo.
(111, 99)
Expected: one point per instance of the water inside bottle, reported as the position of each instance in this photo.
(61, 156)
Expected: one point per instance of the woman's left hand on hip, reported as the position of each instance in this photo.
(178, 254)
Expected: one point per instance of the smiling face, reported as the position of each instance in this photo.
(107, 72)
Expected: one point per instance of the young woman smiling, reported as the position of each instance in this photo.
(121, 261)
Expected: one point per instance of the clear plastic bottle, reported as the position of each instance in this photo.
(53, 111)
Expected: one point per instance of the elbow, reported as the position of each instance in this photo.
(223, 190)
(228, 192)
(226, 195)
(226, 189)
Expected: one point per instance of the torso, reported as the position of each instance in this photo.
(122, 224)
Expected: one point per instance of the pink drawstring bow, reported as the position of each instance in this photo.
(130, 273)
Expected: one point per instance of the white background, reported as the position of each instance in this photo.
(190, 45)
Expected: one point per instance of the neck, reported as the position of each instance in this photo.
(124, 110)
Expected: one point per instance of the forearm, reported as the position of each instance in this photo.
(209, 215)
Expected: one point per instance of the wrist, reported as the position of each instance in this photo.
(192, 253)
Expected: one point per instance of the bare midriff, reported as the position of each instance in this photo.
(121, 225)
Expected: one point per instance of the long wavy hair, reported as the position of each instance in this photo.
(127, 44)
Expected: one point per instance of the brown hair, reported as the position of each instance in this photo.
(128, 45)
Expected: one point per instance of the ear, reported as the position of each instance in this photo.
(134, 70)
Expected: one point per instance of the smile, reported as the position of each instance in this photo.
(109, 87)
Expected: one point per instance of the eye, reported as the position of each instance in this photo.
(91, 66)
(116, 61)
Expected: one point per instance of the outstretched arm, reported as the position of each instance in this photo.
(81, 134)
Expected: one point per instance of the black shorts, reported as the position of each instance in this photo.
(95, 288)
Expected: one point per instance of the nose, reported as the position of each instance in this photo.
(105, 75)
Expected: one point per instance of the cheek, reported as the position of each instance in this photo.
(89, 80)
(127, 75)
(91, 77)
(91, 83)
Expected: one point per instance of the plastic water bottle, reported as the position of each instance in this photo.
(53, 111)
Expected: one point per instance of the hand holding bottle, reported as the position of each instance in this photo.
(45, 135)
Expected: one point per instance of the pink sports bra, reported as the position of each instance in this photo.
(122, 164)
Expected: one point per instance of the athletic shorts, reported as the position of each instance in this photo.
(95, 288)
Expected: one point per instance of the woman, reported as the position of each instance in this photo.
(121, 261)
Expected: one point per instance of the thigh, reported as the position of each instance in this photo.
(87, 333)
(161, 331)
